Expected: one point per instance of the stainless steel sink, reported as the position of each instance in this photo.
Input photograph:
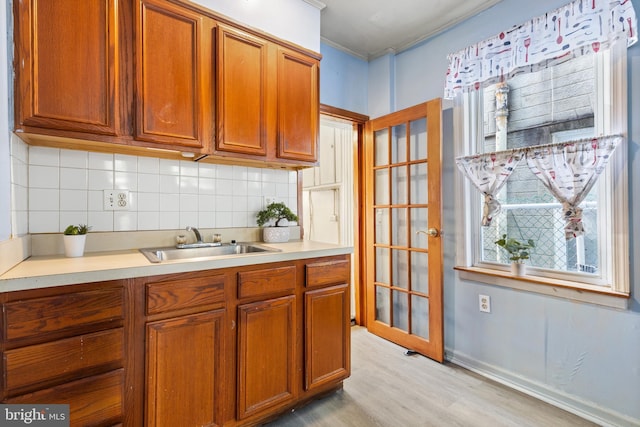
(172, 253)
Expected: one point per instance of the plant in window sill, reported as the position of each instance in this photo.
(275, 212)
(74, 240)
(518, 252)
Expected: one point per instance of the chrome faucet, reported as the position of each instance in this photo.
(196, 232)
(198, 243)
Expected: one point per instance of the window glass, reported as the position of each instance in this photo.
(552, 105)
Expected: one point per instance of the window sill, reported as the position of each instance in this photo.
(559, 288)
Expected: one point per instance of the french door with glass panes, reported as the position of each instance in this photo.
(403, 217)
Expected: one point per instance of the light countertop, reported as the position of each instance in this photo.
(48, 271)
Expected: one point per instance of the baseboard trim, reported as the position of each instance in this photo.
(582, 408)
(13, 252)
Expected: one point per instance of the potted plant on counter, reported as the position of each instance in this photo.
(518, 252)
(275, 212)
(74, 240)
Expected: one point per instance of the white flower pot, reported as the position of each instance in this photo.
(74, 245)
(518, 268)
(275, 234)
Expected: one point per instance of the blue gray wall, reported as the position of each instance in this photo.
(343, 80)
(581, 356)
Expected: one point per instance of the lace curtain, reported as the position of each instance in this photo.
(489, 173)
(581, 27)
(569, 170)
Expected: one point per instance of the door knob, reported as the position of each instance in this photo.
(433, 232)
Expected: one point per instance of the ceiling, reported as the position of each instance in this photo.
(371, 28)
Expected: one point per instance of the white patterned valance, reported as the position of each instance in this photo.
(568, 170)
(579, 28)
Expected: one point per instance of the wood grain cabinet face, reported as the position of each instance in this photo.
(298, 106)
(184, 375)
(68, 65)
(69, 345)
(242, 78)
(327, 321)
(173, 76)
(327, 336)
(266, 355)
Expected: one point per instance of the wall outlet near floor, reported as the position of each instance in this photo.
(484, 303)
(116, 200)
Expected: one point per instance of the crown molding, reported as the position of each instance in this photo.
(316, 3)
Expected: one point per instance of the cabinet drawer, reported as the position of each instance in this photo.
(43, 363)
(47, 315)
(184, 293)
(328, 272)
(264, 282)
(96, 400)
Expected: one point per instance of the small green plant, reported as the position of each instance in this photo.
(277, 212)
(74, 230)
(518, 251)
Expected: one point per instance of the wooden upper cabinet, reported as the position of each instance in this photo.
(173, 101)
(242, 77)
(67, 65)
(298, 106)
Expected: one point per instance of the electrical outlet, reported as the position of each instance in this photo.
(484, 302)
(116, 200)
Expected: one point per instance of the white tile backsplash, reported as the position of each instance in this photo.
(52, 188)
(102, 161)
(74, 159)
(44, 176)
(148, 165)
(74, 178)
(125, 163)
(44, 156)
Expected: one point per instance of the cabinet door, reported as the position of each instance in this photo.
(184, 376)
(68, 65)
(241, 118)
(173, 76)
(266, 355)
(98, 400)
(298, 106)
(327, 336)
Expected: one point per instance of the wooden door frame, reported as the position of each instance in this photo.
(358, 121)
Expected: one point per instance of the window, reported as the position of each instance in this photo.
(583, 97)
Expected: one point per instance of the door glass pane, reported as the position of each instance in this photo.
(418, 139)
(382, 226)
(381, 144)
(382, 187)
(399, 183)
(419, 189)
(420, 272)
(401, 310)
(383, 305)
(400, 263)
(382, 266)
(419, 217)
(420, 316)
(399, 226)
(399, 144)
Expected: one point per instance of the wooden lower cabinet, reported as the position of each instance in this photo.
(266, 355)
(225, 347)
(184, 378)
(93, 401)
(68, 345)
(327, 336)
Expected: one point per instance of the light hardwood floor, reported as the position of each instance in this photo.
(389, 389)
